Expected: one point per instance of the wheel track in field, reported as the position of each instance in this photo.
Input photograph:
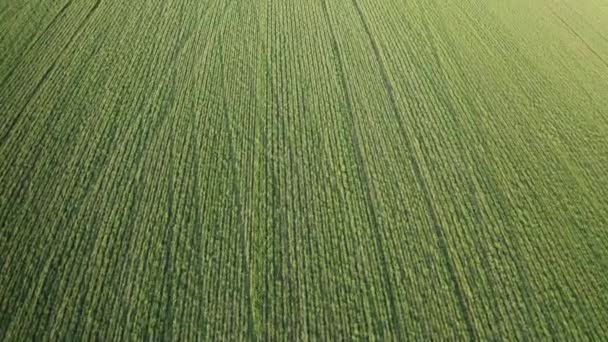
(239, 212)
(370, 308)
(22, 187)
(236, 191)
(14, 15)
(167, 285)
(27, 174)
(76, 210)
(570, 29)
(173, 243)
(201, 202)
(138, 155)
(46, 76)
(553, 329)
(269, 147)
(363, 173)
(35, 42)
(137, 186)
(585, 20)
(438, 229)
(452, 105)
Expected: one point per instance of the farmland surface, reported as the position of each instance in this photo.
(304, 170)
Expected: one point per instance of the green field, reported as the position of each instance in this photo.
(282, 170)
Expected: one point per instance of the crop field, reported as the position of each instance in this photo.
(282, 170)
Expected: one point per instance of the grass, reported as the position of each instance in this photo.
(303, 170)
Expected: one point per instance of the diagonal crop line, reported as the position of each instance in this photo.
(236, 192)
(438, 229)
(369, 190)
(35, 42)
(577, 35)
(239, 209)
(48, 72)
